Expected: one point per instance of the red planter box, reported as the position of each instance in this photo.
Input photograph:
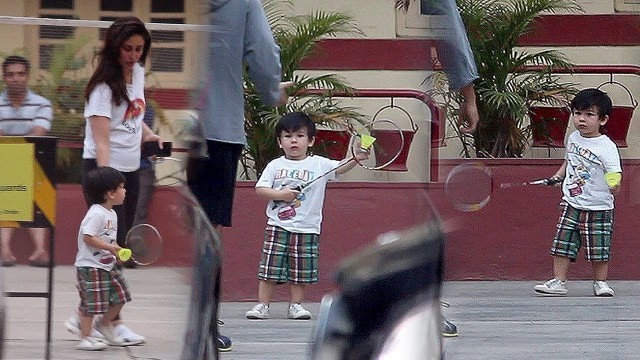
(549, 125)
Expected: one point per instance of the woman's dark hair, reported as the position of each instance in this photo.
(100, 181)
(109, 70)
(295, 121)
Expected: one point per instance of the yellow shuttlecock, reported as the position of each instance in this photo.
(613, 178)
(366, 141)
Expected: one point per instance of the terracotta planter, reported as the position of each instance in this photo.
(391, 139)
(617, 127)
(549, 125)
(332, 143)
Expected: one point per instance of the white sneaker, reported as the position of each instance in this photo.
(73, 326)
(552, 287)
(90, 345)
(109, 333)
(297, 312)
(128, 336)
(601, 288)
(260, 311)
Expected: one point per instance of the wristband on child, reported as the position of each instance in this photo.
(613, 178)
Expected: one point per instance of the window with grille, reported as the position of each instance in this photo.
(632, 6)
(420, 20)
(167, 53)
(51, 35)
(168, 46)
(116, 5)
(56, 4)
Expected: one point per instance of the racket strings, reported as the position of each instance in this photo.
(387, 144)
(145, 244)
(469, 187)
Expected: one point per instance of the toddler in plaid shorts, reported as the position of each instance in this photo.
(290, 247)
(101, 285)
(590, 175)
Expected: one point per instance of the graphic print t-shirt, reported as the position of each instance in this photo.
(588, 159)
(125, 123)
(304, 214)
(102, 223)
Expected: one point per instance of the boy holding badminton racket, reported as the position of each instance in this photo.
(101, 285)
(295, 185)
(591, 174)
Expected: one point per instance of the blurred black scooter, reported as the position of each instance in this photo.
(388, 303)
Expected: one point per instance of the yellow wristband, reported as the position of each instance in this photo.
(613, 178)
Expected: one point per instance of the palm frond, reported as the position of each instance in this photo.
(297, 37)
(276, 12)
(298, 41)
(506, 87)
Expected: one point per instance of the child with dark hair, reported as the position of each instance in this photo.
(114, 131)
(590, 175)
(290, 248)
(101, 285)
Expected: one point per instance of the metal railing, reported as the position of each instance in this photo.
(438, 122)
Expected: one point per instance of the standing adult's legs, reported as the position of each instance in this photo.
(147, 178)
(212, 181)
(127, 211)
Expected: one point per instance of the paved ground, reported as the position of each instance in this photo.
(497, 320)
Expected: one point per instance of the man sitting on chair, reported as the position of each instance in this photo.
(22, 113)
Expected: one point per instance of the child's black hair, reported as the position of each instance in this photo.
(295, 121)
(100, 181)
(592, 97)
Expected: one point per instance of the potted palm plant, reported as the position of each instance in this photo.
(510, 80)
(297, 37)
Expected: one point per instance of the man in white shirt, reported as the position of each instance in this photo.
(22, 113)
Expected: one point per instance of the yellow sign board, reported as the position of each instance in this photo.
(17, 182)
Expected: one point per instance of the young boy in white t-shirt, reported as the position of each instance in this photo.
(290, 248)
(101, 285)
(590, 175)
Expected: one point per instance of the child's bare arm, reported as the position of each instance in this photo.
(95, 242)
(560, 174)
(284, 194)
(349, 162)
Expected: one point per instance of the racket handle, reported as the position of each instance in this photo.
(552, 181)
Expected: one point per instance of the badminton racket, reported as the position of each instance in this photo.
(143, 245)
(382, 138)
(469, 187)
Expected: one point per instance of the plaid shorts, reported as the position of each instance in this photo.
(593, 227)
(289, 257)
(99, 288)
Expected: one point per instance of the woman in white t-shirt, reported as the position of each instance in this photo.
(114, 109)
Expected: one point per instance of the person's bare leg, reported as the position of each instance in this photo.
(5, 244)
(265, 290)
(113, 311)
(600, 270)
(561, 267)
(39, 237)
(86, 324)
(296, 292)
